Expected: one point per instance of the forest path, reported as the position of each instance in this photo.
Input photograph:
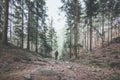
(49, 69)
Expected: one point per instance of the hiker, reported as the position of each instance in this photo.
(56, 55)
(0, 35)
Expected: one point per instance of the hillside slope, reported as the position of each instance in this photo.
(108, 56)
(13, 59)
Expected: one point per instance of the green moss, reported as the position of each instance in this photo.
(114, 64)
(115, 76)
(7, 69)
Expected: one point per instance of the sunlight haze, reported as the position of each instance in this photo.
(58, 20)
(54, 11)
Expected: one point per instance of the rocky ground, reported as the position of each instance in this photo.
(17, 64)
(54, 70)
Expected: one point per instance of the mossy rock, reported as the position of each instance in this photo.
(115, 76)
(46, 72)
(114, 64)
(117, 40)
(27, 77)
(17, 59)
(7, 69)
(95, 62)
(115, 53)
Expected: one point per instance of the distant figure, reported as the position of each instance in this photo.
(56, 55)
(0, 35)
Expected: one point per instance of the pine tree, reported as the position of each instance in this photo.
(91, 9)
(5, 25)
(51, 35)
(22, 9)
(18, 26)
(29, 4)
(1, 15)
(73, 12)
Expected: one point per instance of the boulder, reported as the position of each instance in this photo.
(27, 77)
(69, 66)
(45, 72)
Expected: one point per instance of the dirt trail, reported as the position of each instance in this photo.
(50, 69)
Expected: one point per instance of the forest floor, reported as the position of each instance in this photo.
(19, 64)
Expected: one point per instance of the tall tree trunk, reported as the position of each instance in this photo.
(36, 49)
(90, 33)
(108, 28)
(85, 40)
(28, 30)
(51, 24)
(22, 44)
(5, 25)
(1, 10)
(70, 32)
(103, 35)
(87, 37)
(111, 27)
(10, 23)
(70, 42)
(76, 28)
(10, 31)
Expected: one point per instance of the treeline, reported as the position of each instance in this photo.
(25, 24)
(91, 23)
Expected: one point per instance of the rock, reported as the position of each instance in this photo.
(40, 59)
(27, 77)
(62, 70)
(59, 77)
(72, 78)
(46, 72)
(69, 66)
(67, 62)
(56, 62)
(7, 69)
(117, 56)
(75, 69)
(114, 64)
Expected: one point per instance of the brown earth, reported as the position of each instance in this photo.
(19, 64)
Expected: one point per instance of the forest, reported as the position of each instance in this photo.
(29, 44)
(24, 25)
(91, 25)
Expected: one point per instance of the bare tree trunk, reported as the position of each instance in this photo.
(70, 42)
(90, 33)
(76, 29)
(1, 11)
(10, 31)
(51, 24)
(111, 28)
(70, 32)
(103, 35)
(108, 28)
(22, 44)
(28, 30)
(36, 49)
(87, 38)
(85, 41)
(5, 25)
